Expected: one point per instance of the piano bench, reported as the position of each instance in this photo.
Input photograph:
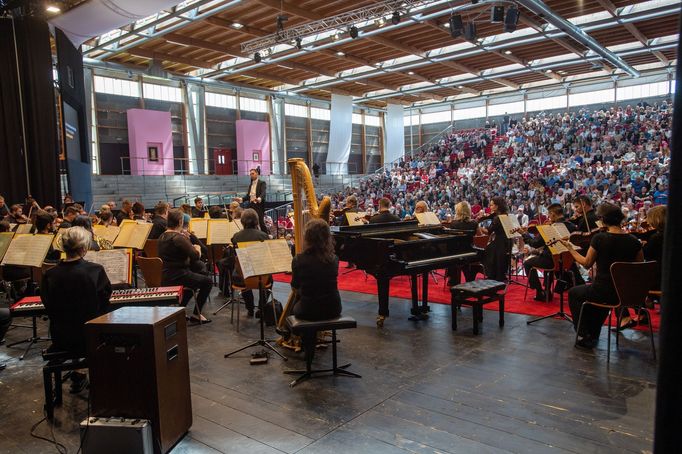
(58, 362)
(308, 332)
(476, 294)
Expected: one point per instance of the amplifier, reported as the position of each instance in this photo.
(116, 435)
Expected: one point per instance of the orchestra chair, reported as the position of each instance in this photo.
(476, 294)
(57, 363)
(151, 248)
(632, 281)
(216, 252)
(251, 283)
(551, 276)
(151, 268)
(307, 330)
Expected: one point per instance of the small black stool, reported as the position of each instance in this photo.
(57, 362)
(308, 332)
(476, 294)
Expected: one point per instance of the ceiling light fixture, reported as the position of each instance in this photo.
(380, 22)
(395, 18)
(507, 52)
(237, 25)
(353, 31)
(52, 9)
(256, 57)
(340, 54)
(411, 73)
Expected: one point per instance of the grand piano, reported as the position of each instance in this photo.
(403, 248)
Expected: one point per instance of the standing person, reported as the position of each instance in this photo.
(179, 257)
(74, 292)
(256, 197)
(613, 245)
(316, 170)
(250, 232)
(496, 259)
(198, 208)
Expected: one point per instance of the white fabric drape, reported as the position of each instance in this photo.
(395, 133)
(96, 17)
(340, 133)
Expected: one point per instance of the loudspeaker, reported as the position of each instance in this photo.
(470, 31)
(511, 19)
(456, 26)
(497, 14)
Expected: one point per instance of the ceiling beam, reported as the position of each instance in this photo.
(397, 46)
(268, 76)
(146, 53)
(292, 9)
(202, 44)
(466, 69)
(229, 25)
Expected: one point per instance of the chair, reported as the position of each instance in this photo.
(57, 362)
(151, 268)
(151, 248)
(632, 281)
(251, 283)
(476, 294)
(562, 264)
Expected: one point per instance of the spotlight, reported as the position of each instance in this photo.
(353, 31)
(336, 36)
(395, 19)
(456, 26)
(298, 43)
(256, 57)
(511, 19)
(281, 19)
(380, 22)
(470, 31)
(497, 14)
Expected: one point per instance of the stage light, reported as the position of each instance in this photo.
(470, 31)
(336, 36)
(507, 52)
(456, 26)
(281, 19)
(52, 9)
(380, 22)
(353, 31)
(340, 54)
(460, 86)
(395, 19)
(256, 57)
(298, 43)
(497, 14)
(411, 73)
(511, 20)
(237, 25)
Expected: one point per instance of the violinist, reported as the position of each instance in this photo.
(585, 218)
(496, 257)
(541, 257)
(653, 248)
(351, 207)
(384, 214)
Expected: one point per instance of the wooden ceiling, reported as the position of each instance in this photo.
(205, 43)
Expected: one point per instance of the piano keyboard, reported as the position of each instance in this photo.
(151, 296)
(441, 260)
(27, 307)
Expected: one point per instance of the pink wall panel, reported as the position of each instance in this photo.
(150, 128)
(253, 137)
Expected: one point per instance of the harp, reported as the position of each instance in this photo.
(306, 207)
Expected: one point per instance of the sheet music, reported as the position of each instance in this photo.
(5, 240)
(109, 233)
(117, 264)
(24, 228)
(258, 258)
(550, 234)
(356, 218)
(561, 229)
(28, 250)
(133, 235)
(199, 227)
(221, 231)
(509, 223)
(428, 218)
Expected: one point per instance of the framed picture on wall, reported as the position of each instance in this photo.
(256, 156)
(153, 153)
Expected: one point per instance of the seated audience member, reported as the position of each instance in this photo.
(70, 213)
(138, 212)
(314, 275)
(16, 215)
(74, 292)
(613, 245)
(384, 215)
(125, 213)
(653, 248)
(250, 232)
(198, 210)
(159, 220)
(179, 255)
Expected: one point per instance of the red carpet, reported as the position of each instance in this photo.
(514, 302)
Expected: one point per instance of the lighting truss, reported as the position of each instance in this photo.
(338, 22)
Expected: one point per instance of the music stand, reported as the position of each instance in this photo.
(34, 339)
(560, 314)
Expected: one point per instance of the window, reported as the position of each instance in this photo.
(591, 97)
(472, 112)
(372, 120)
(253, 105)
(436, 117)
(120, 87)
(553, 102)
(220, 100)
(509, 107)
(672, 88)
(320, 114)
(295, 110)
(162, 92)
(643, 91)
(357, 119)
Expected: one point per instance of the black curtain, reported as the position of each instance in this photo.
(40, 159)
(669, 390)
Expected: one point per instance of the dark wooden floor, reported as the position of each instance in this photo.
(522, 389)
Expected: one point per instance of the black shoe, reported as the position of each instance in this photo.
(586, 343)
(249, 313)
(540, 296)
(623, 326)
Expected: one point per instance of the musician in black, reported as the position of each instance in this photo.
(496, 260)
(613, 245)
(159, 220)
(138, 212)
(314, 275)
(255, 197)
(74, 292)
(4, 211)
(543, 257)
(125, 213)
(351, 207)
(198, 208)
(653, 248)
(384, 215)
(181, 262)
(249, 233)
(463, 222)
(582, 206)
(70, 213)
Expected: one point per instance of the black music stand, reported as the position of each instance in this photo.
(560, 314)
(34, 339)
(262, 341)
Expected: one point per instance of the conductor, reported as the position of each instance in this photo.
(256, 197)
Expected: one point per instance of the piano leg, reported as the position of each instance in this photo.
(425, 293)
(417, 312)
(382, 290)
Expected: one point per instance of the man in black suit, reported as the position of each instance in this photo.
(198, 208)
(159, 220)
(384, 215)
(250, 232)
(255, 197)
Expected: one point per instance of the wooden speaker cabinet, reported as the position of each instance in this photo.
(139, 368)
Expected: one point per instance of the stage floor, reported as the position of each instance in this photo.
(424, 388)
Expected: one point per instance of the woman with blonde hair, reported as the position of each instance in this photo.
(462, 222)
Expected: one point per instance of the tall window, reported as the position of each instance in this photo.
(162, 92)
(120, 87)
(253, 105)
(552, 102)
(220, 100)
